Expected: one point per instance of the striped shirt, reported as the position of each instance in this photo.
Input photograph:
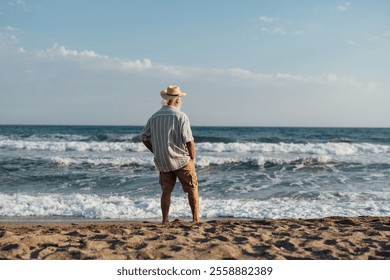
(168, 130)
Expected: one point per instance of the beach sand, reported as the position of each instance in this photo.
(327, 238)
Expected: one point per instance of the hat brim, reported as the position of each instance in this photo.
(164, 94)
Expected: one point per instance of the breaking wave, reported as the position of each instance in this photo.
(330, 148)
(124, 207)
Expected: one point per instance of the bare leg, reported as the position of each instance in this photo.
(165, 204)
(193, 199)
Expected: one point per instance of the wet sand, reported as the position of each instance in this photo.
(328, 238)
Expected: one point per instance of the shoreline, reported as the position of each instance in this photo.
(274, 239)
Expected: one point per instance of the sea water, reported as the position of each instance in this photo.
(101, 172)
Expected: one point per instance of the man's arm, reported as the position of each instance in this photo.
(191, 149)
(148, 145)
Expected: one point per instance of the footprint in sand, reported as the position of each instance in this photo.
(10, 247)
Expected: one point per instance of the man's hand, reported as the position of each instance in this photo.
(191, 149)
(148, 145)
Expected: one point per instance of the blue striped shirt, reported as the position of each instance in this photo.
(168, 130)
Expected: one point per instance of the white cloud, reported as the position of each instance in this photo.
(92, 60)
(277, 30)
(382, 37)
(96, 62)
(282, 26)
(63, 85)
(343, 7)
(59, 54)
(277, 26)
(340, 80)
(19, 3)
(327, 80)
(61, 51)
(10, 28)
(350, 42)
(8, 37)
(266, 19)
(138, 64)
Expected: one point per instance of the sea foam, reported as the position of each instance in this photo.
(328, 148)
(123, 207)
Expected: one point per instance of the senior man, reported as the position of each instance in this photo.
(168, 136)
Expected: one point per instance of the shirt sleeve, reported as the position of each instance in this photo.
(146, 133)
(186, 130)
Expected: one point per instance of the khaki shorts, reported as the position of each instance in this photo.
(186, 175)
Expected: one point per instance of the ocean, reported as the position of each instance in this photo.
(105, 173)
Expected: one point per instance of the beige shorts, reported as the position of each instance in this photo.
(186, 175)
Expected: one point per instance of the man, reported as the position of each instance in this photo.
(168, 136)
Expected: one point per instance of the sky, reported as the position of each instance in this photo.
(242, 63)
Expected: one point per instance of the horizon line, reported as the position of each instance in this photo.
(194, 126)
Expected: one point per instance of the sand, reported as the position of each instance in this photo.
(327, 238)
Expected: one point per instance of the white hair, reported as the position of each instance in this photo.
(172, 101)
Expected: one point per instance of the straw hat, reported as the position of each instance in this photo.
(172, 92)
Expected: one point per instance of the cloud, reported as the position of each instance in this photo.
(278, 30)
(273, 26)
(91, 60)
(10, 29)
(277, 26)
(61, 51)
(379, 37)
(8, 37)
(138, 64)
(343, 7)
(61, 85)
(266, 19)
(19, 4)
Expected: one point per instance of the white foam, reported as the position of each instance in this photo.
(114, 161)
(78, 205)
(125, 207)
(146, 160)
(79, 146)
(57, 137)
(294, 148)
(286, 148)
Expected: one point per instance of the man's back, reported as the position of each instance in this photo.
(169, 130)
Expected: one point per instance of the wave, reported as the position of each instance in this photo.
(79, 146)
(16, 164)
(76, 205)
(261, 161)
(121, 137)
(126, 207)
(115, 162)
(202, 161)
(118, 154)
(56, 137)
(330, 148)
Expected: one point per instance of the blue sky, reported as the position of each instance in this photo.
(250, 63)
